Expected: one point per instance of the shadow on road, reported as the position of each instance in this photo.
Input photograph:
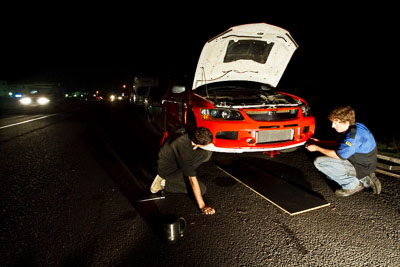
(127, 152)
(130, 186)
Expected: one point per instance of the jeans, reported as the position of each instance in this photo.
(176, 182)
(339, 170)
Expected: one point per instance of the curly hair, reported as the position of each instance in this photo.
(202, 136)
(343, 114)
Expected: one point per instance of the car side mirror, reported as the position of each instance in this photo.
(177, 89)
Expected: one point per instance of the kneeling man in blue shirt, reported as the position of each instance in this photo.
(350, 160)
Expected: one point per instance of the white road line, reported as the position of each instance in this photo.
(22, 122)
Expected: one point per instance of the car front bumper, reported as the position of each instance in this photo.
(239, 137)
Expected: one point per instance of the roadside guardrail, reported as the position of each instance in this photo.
(388, 165)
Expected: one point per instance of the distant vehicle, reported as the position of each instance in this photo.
(142, 90)
(148, 95)
(115, 97)
(234, 93)
(152, 102)
(40, 98)
(140, 96)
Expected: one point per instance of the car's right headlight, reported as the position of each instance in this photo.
(305, 109)
(221, 114)
(43, 101)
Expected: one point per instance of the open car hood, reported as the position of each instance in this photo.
(256, 52)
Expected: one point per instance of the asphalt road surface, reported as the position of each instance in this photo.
(70, 186)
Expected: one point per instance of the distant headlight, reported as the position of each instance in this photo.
(221, 114)
(43, 100)
(305, 109)
(25, 100)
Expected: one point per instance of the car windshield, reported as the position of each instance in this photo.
(41, 91)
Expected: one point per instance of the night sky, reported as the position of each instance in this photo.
(343, 52)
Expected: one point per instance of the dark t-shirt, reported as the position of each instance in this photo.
(176, 154)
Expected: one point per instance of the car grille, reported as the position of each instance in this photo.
(271, 136)
(273, 115)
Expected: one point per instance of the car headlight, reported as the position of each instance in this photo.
(25, 100)
(43, 100)
(305, 109)
(221, 114)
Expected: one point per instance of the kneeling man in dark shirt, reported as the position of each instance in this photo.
(179, 156)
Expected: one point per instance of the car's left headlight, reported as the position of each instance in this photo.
(25, 100)
(221, 114)
(43, 100)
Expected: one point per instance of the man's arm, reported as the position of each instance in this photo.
(330, 144)
(327, 152)
(199, 198)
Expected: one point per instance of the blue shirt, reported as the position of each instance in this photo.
(359, 147)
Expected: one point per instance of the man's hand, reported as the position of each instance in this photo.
(207, 210)
(311, 147)
(199, 198)
(327, 152)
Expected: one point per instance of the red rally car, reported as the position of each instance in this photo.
(234, 95)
